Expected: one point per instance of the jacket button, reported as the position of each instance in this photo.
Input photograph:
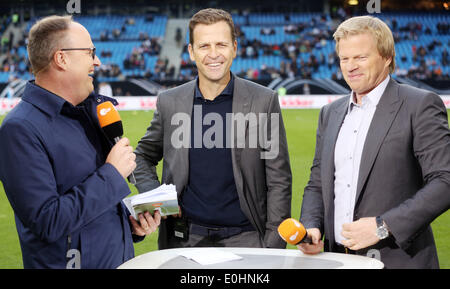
(99, 100)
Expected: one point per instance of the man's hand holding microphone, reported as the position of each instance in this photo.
(359, 234)
(123, 159)
(307, 240)
(316, 245)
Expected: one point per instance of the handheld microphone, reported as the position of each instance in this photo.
(293, 232)
(111, 124)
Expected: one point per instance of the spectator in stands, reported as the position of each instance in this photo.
(444, 57)
(394, 24)
(161, 68)
(290, 29)
(104, 35)
(130, 21)
(312, 62)
(116, 33)
(306, 89)
(64, 179)
(250, 52)
(437, 73)
(106, 53)
(108, 70)
(5, 43)
(11, 40)
(143, 36)
(401, 72)
(9, 89)
(331, 59)
(15, 19)
(149, 17)
(3, 23)
(239, 32)
(178, 37)
(443, 27)
(264, 72)
(321, 58)
(422, 52)
(105, 89)
(267, 31)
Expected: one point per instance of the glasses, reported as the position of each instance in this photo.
(91, 49)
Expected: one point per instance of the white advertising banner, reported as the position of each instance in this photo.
(149, 102)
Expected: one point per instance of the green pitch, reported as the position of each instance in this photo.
(301, 129)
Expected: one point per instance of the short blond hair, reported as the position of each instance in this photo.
(379, 29)
(45, 37)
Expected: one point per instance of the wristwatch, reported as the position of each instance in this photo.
(382, 231)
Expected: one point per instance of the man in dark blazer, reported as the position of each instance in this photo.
(381, 171)
(232, 190)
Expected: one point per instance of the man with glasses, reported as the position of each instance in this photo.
(64, 179)
(92, 50)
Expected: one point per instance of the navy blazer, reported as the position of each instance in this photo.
(63, 194)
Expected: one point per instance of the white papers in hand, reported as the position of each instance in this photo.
(164, 198)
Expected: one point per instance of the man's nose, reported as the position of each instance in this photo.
(352, 65)
(213, 53)
(97, 61)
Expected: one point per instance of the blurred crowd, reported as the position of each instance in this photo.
(423, 61)
(426, 61)
(313, 36)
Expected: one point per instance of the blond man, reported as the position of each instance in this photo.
(381, 171)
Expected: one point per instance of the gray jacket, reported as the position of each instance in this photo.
(404, 174)
(263, 184)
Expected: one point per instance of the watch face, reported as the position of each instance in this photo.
(382, 233)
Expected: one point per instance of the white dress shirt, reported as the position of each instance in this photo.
(347, 155)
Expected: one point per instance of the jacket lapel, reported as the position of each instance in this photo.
(242, 98)
(183, 104)
(385, 113)
(330, 137)
(185, 101)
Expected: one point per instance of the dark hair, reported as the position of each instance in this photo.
(210, 16)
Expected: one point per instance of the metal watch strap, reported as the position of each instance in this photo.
(379, 221)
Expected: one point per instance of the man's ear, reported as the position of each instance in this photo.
(388, 62)
(191, 52)
(60, 60)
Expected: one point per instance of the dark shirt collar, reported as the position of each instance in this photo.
(228, 90)
(43, 99)
(47, 101)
